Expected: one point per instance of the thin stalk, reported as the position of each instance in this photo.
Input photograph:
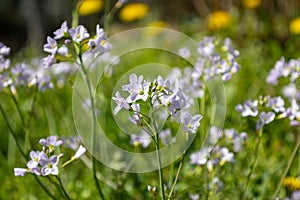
(254, 162)
(18, 108)
(160, 172)
(22, 152)
(12, 132)
(286, 168)
(62, 188)
(106, 15)
(177, 175)
(94, 119)
(44, 188)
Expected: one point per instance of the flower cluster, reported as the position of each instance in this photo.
(267, 109)
(157, 93)
(215, 154)
(144, 139)
(289, 72)
(45, 162)
(290, 69)
(77, 40)
(214, 59)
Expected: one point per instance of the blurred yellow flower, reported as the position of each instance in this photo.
(251, 4)
(88, 7)
(291, 183)
(295, 26)
(134, 11)
(218, 20)
(158, 24)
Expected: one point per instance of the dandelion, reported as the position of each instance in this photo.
(295, 26)
(89, 7)
(218, 20)
(251, 4)
(134, 11)
(291, 183)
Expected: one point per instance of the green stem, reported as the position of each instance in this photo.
(287, 168)
(12, 132)
(160, 172)
(177, 175)
(22, 152)
(18, 108)
(62, 188)
(254, 162)
(94, 119)
(107, 15)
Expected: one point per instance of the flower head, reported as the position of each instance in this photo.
(89, 7)
(49, 165)
(51, 142)
(295, 26)
(80, 151)
(218, 20)
(134, 11)
(251, 4)
(62, 31)
(79, 33)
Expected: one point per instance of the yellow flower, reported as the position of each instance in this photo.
(89, 7)
(157, 28)
(251, 4)
(291, 183)
(158, 24)
(134, 11)
(218, 20)
(295, 26)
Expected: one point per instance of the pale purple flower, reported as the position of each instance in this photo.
(295, 195)
(194, 196)
(206, 47)
(35, 159)
(185, 52)
(249, 108)
(138, 89)
(49, 61)
(80, 151)
(165, 136)
(214, 134)
(51, 46)
(49, 165)
(51, 142)
(4, 64)
(62, 31)
(63, 50)
(99, 43)
(226, 156)
(136, 117)
(190, 123)
(20, 171)
(22, 73)
(121, 103)
(267, 117)
(79, 33)
(4, 50)
(143, 139)
(42, 79)
(71, 142)
(174, 102)
(200, 157)
(276, 103)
